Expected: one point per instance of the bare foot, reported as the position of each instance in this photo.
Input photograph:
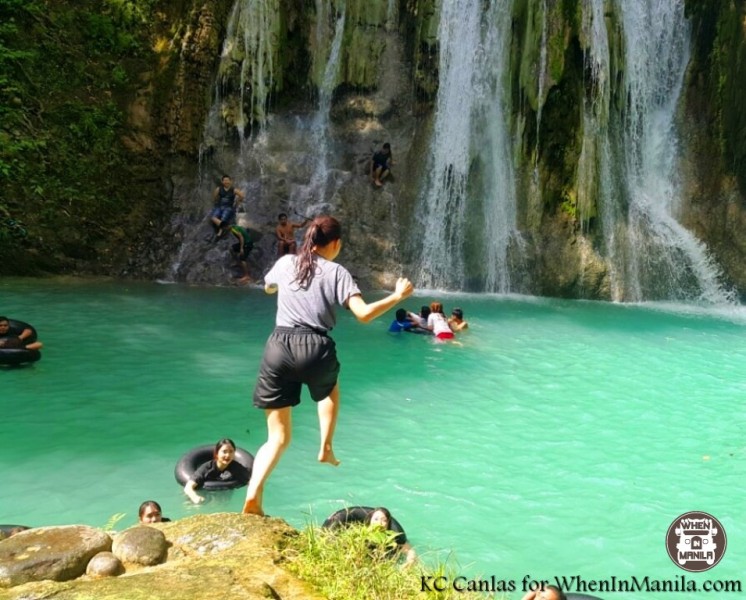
(252, 507)
(326, 455)
(377, 183)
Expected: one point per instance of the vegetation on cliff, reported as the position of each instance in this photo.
(353, 564)
(67, 73)
(719, 76)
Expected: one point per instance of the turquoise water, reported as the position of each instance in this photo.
(562, 438)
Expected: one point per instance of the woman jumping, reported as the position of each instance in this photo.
(299, 351)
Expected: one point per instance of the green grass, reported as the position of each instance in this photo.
(353, 563)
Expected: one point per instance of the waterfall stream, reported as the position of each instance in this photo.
(652, 255)
(466, 235)
(320, 125)
(467, 227)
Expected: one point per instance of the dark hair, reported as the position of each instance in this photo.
(387, 146)
(458, 313)
(425, 312)
(436, 307)
(149, 504)
(222, 443)
(4, 319)
(381, 509)
(282, 215)
(560, 593)
(323, 231)
(401, 314)
(224, 176)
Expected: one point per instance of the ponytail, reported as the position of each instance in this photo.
(322, 231)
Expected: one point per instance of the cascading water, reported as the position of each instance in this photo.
(652, 255)
(320, 125)
(246, 75)
(501, 240)
(246, 78)
(470, 129)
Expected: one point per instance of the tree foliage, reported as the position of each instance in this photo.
(65, 80)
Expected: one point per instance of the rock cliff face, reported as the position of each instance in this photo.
(293, 107)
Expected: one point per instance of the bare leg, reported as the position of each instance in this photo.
(384, 175)
(328, 410)
(377, 176)
(279, 427)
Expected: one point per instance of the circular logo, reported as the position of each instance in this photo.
(696, 541)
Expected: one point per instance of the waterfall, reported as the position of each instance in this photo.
(499, 206)
(246, 78)
(652, 256)
(246, 74)
(469, 130)
(392, 15)
(320, 125)
(542, 80)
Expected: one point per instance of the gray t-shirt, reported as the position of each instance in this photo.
(314, 307)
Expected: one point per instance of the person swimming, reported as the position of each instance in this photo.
(222, 467)
(437, 323)
(150, 512)
(401, 322)
(381, 518)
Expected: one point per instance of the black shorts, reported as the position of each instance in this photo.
(294, 356)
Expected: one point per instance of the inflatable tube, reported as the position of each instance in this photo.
(357, 514)
(198, 456)
(18, 356)
(6, 529)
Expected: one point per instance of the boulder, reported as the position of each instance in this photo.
(104, 564)
(225, 555)
(140, 545)
(56, 553)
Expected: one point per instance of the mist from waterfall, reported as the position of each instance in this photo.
(467, 220)
(651, 254)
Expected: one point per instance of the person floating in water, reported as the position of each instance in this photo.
(380, 518)
(150, 512)
(419, 320)
(401, 323)
(241, 251)
(456, 320)
(16, 339)
(225, 200)
(437, 323)
(222, 467)
(285, 233)
(309, 285)
(380, 165)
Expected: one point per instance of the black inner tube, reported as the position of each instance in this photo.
(18, 356)
(356, 514)
(198, 456)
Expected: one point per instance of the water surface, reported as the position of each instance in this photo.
(561, 438)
